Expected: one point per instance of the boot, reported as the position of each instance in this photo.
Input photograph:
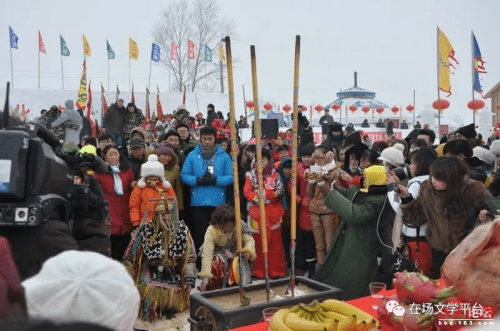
(311, 267)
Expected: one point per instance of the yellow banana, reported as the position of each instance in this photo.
(336, 316)
(344, 308)
(294, 322)
(277, 322)
(348, 324)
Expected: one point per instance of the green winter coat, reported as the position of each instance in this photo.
(172, 174)
(352, 260)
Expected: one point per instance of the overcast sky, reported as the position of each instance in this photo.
(390, 43)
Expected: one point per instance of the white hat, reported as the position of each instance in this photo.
(495, 147)
(152, 168)
(83, 287)
(392, 155)
(484, 155)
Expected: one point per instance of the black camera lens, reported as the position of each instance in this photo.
(21, 214)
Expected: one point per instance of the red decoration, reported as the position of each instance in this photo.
(304, 108)
(268, 106)
(365, 109)
(476, 104)
(440, 104)
(318, 108)
(380, 110)
(395, 109)
(353, 108)
(287, 108)
(410, 108)
(335, 107)
(250, 104)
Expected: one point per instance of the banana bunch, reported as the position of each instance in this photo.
(331, 315)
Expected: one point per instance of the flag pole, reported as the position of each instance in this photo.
(129, 72)
(109, 86)
(11, 63)
(293, 223)
(149, 84)
(472, 55)
(244, 101)
(234, 154)
(258, 154)
(38, 59)
(414, 109)
(438, 74)
(62, 71)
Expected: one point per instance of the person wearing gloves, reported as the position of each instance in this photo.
(83, 287)
(352, 260)
(219, 255)
(152, 185)
(208, 171)
(274, 191)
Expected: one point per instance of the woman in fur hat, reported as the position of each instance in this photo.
(152, 185)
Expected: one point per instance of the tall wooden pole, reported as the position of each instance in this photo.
(234, 155)
(438, 75)
(244, 102)
(293, 223)
(262, 197)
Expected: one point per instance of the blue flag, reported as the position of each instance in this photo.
(478, 66)
(13, 38)
(155, 53)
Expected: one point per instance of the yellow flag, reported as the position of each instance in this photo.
(86, 47)
(133, 50)
(221, 53)
(446, 53)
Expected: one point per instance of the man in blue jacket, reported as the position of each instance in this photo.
(208, 171)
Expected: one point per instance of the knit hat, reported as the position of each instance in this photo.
(495, 147)
(83, 287)
(69, 104)
(484, 155)
(336, 128)
(399, 146)
(165, 148)
(12, 302)
(468, 131)
(153, 168)
(392, 155)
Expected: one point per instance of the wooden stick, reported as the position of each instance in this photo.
(258, 154)
(234, 154)
(293, 223)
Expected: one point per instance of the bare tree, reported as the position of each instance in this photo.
(201, 22)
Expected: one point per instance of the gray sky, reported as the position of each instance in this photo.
(390, 43)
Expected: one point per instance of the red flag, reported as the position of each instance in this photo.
(133, 97)
(173, 51)
(41, 45)
(25, 111)
(190, 49)
(159, 109)
(89, 108)
(104, 102)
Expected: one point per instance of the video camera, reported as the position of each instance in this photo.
(36, 177)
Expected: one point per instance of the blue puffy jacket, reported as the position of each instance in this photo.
(195, 166)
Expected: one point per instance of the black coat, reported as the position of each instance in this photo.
(211, 115)
(114, 119)
(86, 130)
(389, 129)
(135, 165)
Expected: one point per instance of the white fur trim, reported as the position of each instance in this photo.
(165, 183)
(141, 183)
(311, 181)
(321, 183)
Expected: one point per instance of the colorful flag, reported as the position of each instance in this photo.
(86, 47)
(159, 109)
(89, 109)
(64, 47)
(104, 103)
(148, 114)
(13, 38)
(81, 102)
(222, 58)
(133, 49)
(478, 66)
(111, 54)
(132, 99)
(155, 53)
(208, 54)
(117, 93)
(173, 51)
(190, 49)
(446, 53)
(41, 45)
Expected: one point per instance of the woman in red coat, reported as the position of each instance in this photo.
(274, 192)
(116, 185)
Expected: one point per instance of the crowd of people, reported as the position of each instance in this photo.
(170, 193)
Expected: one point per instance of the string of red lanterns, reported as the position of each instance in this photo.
(440, 105)
(475, 105)
(410, 108)
(318, 108)
(335, 107)
(353, 108)
(365, 109)
(395, 110)
(380, 110)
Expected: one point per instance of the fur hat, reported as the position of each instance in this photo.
(392, 155)
(83, 287)
(153, 168)
(495, 147)
(484, 155)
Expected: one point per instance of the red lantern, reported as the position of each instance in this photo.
(395, 110)
(268, 106)
(250, 104)
(335, 107)
(440, 104)
(318, 108)
(287, 108)
(410, 108)
(380, 110)
(353, 108)
(365, 109)
(304, 108)
(475, 105)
